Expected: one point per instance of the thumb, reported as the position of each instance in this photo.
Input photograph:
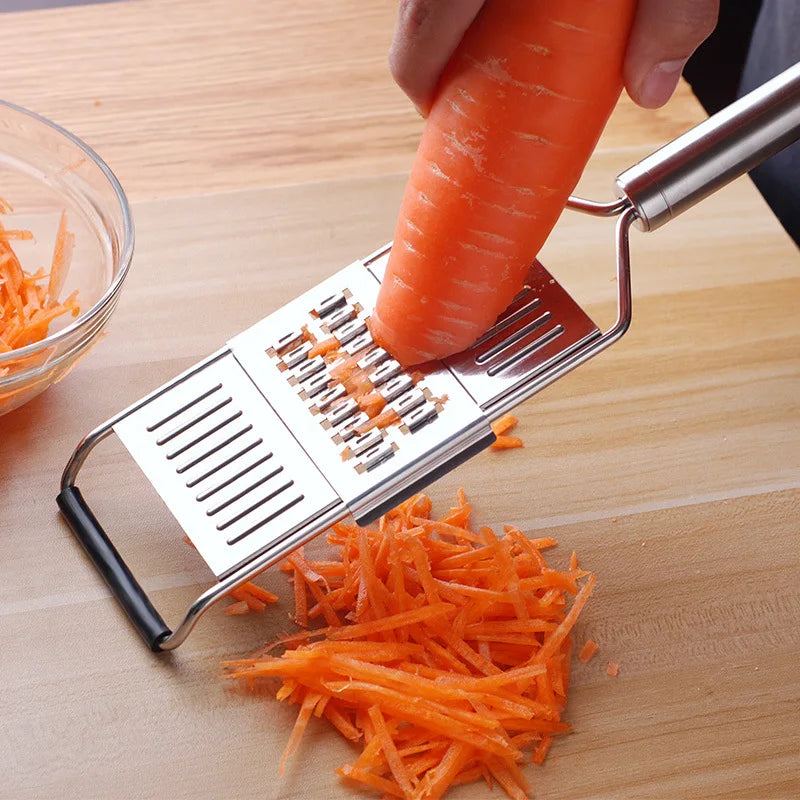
(665, 33)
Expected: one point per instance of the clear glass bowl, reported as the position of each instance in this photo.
(44, 171)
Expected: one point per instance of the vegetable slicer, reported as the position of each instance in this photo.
(259, 448)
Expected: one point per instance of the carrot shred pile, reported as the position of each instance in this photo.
(29, 301)
(501, 427)
(445, 652)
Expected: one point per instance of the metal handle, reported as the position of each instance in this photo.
(714, 153)
(109, 563)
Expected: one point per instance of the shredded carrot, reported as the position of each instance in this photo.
(506, 443)
(27, 305)
(237, 609)
(323, 348)
(504, 424)
(588, 650)
(612, 670)
(446, 652)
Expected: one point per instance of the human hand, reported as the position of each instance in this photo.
(665, 34)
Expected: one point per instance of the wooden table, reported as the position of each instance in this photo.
(263, 145)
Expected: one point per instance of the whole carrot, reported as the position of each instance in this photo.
(517, 114)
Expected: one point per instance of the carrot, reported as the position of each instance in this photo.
(506, 443)
(612, 670)
(588, 650)
(517, 114)
(27, 307)
(503, 425)
(443, 681)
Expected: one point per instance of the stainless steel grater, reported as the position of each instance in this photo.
(259, 448)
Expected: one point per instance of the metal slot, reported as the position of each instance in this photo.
(297, 356)
(348, 431)
(408, 401)
(376, 456)
(185, 426)
(194, 462)
(287, 340)
(330, 304)
(373, 359)
(339, 414)
(511, 315)
(185, 407)
(251, 508)
(339, 317)
(395, 387)
(366, 441)
(359, 343)
(350, 330)
(328, 397)
(266, 520)
(515, 337)
(239, 495)
(198, 480)
(385, 372)
(203, 436)
(316, 385)
(420, 416)
(228, 481)
(309, 368)
(514, 358)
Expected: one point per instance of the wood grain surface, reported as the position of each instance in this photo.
(264, 146)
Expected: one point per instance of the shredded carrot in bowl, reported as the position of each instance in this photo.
(29, 302)
(445, 652)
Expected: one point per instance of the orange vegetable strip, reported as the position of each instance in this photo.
(422, 564)
(337, 718)
(503, 776)
(324, 604)
(237, 609)
(443, 776)
(384, 419)
(371, 754)
(324, 347)
(445, 528)
(298, 561)
(370, 779)
(504, 424)
(300, 599)
(253, 603)
(541, 750)
(588, 650)
(261, 594)
(573, 560)
(390, 622)
(506, 443)
(612, 669)
(398, 770)
(556, 638)
(62, 256)
(306, 709)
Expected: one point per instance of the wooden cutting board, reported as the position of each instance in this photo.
(264, 146)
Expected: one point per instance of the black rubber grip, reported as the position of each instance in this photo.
(109, 563)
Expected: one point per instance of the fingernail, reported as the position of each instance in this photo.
(660, 83)
(421, 111)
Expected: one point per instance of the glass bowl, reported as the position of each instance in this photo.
(46, 171)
